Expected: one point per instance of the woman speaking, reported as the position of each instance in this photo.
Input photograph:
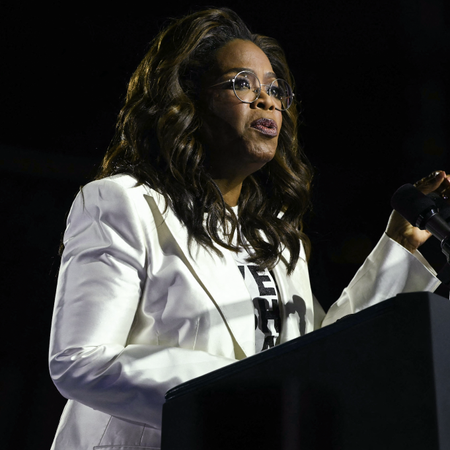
(186, 253)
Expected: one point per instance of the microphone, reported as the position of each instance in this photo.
(422, 211)
(442, 205)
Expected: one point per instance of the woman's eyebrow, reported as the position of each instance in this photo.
(240, 69)
(270, 75)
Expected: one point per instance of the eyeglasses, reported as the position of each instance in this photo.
(247, 88)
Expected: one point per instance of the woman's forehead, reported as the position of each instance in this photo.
(240, 55)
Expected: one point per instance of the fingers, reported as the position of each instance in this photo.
(444, 189)
(437, 181)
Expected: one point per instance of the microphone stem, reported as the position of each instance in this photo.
(445, 246)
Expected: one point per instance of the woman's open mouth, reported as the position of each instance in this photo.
(265, 126)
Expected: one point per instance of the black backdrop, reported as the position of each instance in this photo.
(373, 80)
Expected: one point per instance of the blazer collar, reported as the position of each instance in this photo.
(217, 276)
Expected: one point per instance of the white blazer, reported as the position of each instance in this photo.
(137, 312)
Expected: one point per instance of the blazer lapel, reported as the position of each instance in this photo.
(219, 277)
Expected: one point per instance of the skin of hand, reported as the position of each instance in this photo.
(401, 230)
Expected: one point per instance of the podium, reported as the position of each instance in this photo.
(377, 379)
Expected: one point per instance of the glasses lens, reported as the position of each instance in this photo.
(281, 93)
(246, 86)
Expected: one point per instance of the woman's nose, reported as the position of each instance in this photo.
(265, 101)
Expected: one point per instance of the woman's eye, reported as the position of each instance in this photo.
(242, 83)
(276, 92)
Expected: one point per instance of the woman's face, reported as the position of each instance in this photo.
(237, 141)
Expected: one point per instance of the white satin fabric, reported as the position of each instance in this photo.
(137, 312)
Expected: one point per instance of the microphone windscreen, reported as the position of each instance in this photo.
(411, 203)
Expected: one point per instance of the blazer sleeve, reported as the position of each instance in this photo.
(389, 270)
(102, 274)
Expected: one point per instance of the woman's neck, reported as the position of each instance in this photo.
(230, 189)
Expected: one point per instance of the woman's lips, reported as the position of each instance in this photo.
(265, 126)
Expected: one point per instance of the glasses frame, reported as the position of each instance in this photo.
(233, 80)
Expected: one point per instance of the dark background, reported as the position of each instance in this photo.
(373, 80)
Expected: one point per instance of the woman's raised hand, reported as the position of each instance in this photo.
(401, 230)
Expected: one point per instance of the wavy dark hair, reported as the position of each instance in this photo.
(157, 141)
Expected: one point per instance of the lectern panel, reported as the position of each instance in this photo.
(378, 379)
